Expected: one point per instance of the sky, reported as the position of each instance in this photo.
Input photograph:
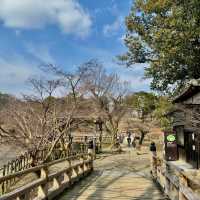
(66, 33)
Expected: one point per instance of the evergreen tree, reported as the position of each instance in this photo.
(165, 34)
(4, 99)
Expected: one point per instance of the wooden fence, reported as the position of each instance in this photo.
(47, 185)
(175, 182)
(25, 160)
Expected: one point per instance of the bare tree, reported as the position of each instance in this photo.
(107, 92)
(30, 114)
(40, 120)
(56, 118)
(70, 80)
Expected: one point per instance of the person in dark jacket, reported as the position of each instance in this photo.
(91, 149)
(90, 144)
(153, 159)
(129, 141)
(152, 147)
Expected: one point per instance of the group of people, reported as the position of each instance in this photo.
(131, 139)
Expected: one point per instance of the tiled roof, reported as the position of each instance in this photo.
(187, 93)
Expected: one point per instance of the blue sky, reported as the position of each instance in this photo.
(63, 32)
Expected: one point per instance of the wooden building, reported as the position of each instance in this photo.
(186, 125)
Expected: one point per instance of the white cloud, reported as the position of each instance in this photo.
(112, 29)
(14, 72)
(137, 83)
(134, 75)
(40, 52)
(36, 14)
(111, 9)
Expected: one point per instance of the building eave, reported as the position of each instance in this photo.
(187, 93)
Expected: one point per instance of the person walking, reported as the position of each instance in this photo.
(90, 147)
(133, 141)
(120, 139)
(129, 141)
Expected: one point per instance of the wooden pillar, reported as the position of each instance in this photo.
(56, 183)
(182, 182)
(66, 177)
(90, 158)
(43, 189)
(82, 164)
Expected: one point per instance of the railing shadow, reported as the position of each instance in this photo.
(80, 187)
(99, 189)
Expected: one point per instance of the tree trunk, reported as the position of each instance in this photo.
(141, 138)
(114, 139)
(115, 144)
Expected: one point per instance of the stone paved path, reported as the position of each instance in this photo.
(119, 177)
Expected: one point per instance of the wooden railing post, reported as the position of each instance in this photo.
(75, 171)
(182, 182)
(43, 189)
(56, 183)
(69, 173)
(90, 158)
(82, 163)
(66, 177)
(61, 179)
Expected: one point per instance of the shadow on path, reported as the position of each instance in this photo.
(121, 177)
(78, 189)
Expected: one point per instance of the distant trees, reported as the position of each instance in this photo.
(142, 102)
(30, 117)
(40, 120)
(164, 34)
(149, 107)
(162, 107)
(105, 91)
(4, 99)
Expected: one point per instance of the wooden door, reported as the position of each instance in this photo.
(191, 149)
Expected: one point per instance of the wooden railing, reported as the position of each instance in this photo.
(47, 185)
(177, 183)
(25, 161)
